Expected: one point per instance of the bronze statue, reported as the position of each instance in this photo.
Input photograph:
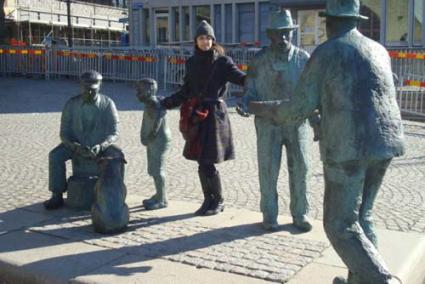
(156, 136)
(88, 128)
(272, 75)
(349, 80)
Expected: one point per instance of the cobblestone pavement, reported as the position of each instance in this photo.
(29, 126)
(244, 249)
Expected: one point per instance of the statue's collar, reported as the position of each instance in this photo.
(344, 32)
(289, 53)
(96, 100)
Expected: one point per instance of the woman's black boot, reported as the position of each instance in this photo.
(207, 195)
(217, 204)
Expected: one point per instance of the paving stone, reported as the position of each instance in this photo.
(30, 130)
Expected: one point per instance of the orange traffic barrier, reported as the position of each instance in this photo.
(176, 60)
(243, 67)
(414, 83)
(407, 55)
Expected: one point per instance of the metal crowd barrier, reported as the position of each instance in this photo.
(22, 61)
(167, 66)
(117, 64)
(409, 66)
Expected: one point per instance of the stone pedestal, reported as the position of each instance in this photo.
(81, 193)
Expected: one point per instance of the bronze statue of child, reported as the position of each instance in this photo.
(156, 136)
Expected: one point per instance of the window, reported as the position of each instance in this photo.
(228, 23)
(417, 22)
(202, 13)
(147, 26)
(246, 22)
(264, 23)
(186, 17)
(176, 24)
(217, 22)
(372, 27)
(397, 21)
(312, 31)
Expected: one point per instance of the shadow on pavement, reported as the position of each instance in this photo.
(68, 227)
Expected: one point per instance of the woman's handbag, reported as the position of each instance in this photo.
(191, 114)
(190, 118)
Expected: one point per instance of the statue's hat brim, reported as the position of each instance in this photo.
(292, 27)
(342, 15)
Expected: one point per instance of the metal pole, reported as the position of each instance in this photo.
(68, 11)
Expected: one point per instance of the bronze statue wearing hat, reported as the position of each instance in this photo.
(272, 75)
(349, 80)
(88, 130)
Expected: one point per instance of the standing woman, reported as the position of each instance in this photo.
(205, 82)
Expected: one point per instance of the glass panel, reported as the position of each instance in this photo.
(397, 20)
(176, 24)
(162, 29)
(202, 13)
(186, 31)
(417, 22)
(228, 25)
(264, 23)
(217, 22)
(307, 22)
(246, 23)
(372, 27)
(321, 30)
(312, 28)
(147, 27)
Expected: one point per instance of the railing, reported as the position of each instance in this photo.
(409, 66)
(166, 65)
(119, 64)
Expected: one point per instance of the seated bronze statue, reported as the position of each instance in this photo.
(87, 132)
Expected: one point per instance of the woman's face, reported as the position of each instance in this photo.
(204, 42)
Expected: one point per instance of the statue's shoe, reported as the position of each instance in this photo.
(150, 200)
(339, 280)
(54, 202)
(302, 223)
(271, 227)
(155, 205)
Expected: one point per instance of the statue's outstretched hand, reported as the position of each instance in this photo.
(95, 150)
(242, 110)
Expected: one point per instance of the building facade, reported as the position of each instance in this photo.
(33, 21)
(165, 22)
(394, 23)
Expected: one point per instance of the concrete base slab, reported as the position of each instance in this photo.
(18, 219)
(404, 253)
(28, 257)
(64, 249)
(132, 269)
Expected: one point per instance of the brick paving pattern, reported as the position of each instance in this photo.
(29, 125)
(244, 249)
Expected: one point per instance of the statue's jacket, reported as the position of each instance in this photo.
(273, 75)
(206, 77)
(89, 124)
(349, 80)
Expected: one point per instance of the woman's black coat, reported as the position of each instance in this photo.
(207, 74)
